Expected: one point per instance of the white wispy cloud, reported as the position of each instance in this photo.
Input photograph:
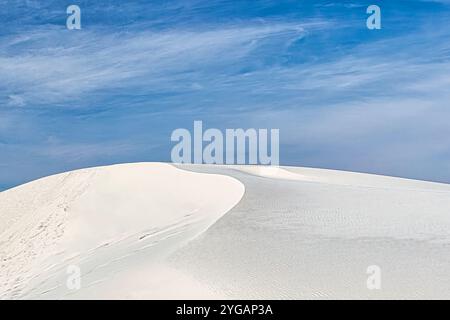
(52, 66)
(379, 104)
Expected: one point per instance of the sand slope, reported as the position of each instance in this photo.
(109, 221)
(310, 233)
(152, 230)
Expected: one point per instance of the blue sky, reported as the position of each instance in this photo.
(344, 97)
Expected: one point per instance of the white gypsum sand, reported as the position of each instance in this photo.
(154, 231)
(311, 233)
(110, 222)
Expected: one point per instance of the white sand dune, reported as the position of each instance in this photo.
(109, 221)
(154, 230)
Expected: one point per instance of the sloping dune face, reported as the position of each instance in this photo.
(322, 234)
(112, 225)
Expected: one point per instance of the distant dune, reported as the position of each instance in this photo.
(154, 230)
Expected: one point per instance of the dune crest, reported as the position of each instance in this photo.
(108, 221)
